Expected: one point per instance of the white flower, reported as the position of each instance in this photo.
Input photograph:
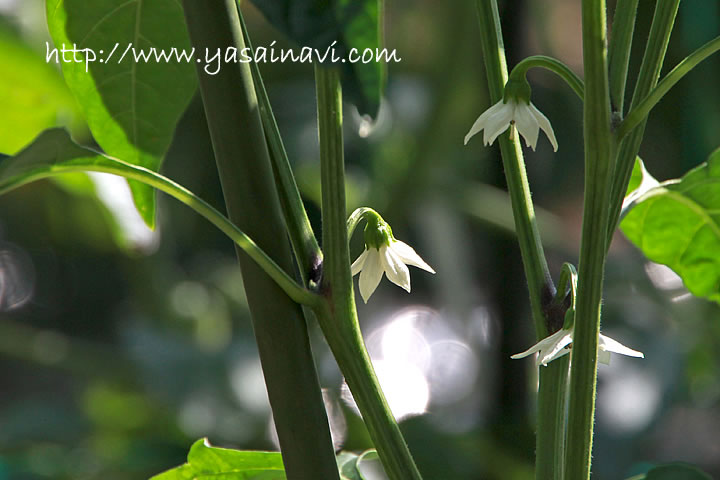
(559, 344)
(390, 258)
(527, 119)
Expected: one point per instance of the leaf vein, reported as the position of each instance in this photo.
(104, 18)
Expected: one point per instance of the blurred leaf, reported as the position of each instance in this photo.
(33, 95)
(347, 463)
(131, 107)
(677, 224)
(674, 471)
(352, 24)
(369, 466)
(212, 463)
(356, 467)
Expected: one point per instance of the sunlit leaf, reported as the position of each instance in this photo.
(131, 106)
(352, 24)
(212, 463)
(640, 183)
(33, 95)
(636, 176)
(677, 224)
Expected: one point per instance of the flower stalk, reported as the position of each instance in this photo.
(551, 390)
(338, 316)
(552, 64)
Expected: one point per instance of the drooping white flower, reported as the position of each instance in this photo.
(527, 119)
(390, 258)
(559, 344)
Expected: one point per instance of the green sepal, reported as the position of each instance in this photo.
(517, 90)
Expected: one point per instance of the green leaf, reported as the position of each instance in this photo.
(32, 94)
(674, 471)
(350, 23)
(636, 176)
(212, 463)
(347, 464)
(677, 223)
(131, 107)
(356, 467)
(640, 180)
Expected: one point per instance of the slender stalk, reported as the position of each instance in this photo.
(305, 245)
(250, 196)
(536, 268)
(642, 109)
(551, 392)
(598, 168)
(623, 29)
(554, 65)
(662, 24)
(355, 218)
(338, 317)
(117, 167)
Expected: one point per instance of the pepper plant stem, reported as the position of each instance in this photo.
(662, 24)
(338, 316)
(305, 245)
(251, 198)
(623, 29)
(642, 109)
(551, 392)
(598, 169)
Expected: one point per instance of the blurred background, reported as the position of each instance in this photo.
(120, 346)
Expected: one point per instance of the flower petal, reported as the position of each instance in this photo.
(408, 256)
(561, 353)
(557, 349)
(527, 125)
(482, 119)
(371, 274)
(498, 123)
(603, 357)
(544, 123)
(357, 265)
(395, 269)
(607, 344)
(544, 344)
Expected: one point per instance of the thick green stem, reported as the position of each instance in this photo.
(657, 43)
(248, 186)
(599, 156)
(555, 66)
(338, 317)
(305, 245)
(623, 28)
(551, 393)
